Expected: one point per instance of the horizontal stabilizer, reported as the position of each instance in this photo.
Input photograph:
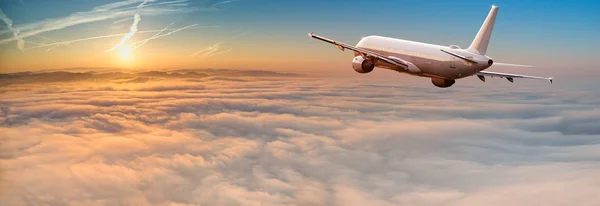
(512, 65)
(459, 56)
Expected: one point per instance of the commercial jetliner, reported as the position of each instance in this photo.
(443, 64)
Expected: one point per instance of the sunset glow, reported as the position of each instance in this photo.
(126, 53)
(229, 102)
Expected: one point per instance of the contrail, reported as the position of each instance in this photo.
(154, 36)
(32, 42)
(121, 20)
(211, 50)
(167, 34)
(115, 5)
(49, 39)
(220, 52)
(9, 23)
(134, 27)
(121, 34)
(52, 47)
(224, 2)
(142, 4)
(100, 13)
(213, 3)
(132, 31)
(46, 38)
(77, 40)
(207, 50)
(91, 38)
(169, 2)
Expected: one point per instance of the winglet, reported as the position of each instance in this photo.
(551, 79)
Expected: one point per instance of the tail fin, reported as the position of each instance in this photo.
(480, 43)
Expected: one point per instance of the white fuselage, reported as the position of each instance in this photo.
(430, 60)
(443, 64)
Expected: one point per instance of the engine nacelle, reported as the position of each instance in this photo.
(442, 83)
(361, 65)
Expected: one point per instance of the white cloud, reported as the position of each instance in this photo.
(226, 139)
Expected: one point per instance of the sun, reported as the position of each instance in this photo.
(126, 52)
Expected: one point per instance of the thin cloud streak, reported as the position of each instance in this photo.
(142, 4)
(213, 3)
(98, 37)
(206, 50)
(121, 20)
(121, 10)
(221, 52)
(167, 34)
(9, 24)
(175, 2)
(105, 12)
(46, 38)
(132, 30)
(154, 36)
(225, 2)
(116, 5)
(211, 50)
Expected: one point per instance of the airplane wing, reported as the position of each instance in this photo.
(509, 77)
(363, 52)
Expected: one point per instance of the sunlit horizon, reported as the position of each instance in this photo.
(229, 102)
(240, 34)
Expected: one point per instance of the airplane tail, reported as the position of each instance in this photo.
(480, 43)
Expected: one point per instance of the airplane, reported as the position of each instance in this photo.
(443, 64)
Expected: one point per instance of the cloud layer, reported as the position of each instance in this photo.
(227, 137)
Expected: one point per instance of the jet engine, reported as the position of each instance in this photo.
(442, 83)
(362, 65)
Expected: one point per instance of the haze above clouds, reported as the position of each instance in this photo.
(227, 137)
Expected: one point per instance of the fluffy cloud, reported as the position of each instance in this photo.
(226, 137)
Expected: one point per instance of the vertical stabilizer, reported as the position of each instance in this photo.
(480, 43)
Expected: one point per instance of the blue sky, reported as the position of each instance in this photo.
(235, 137)
(272, 34)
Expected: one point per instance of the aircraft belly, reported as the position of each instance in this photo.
(449, 69)
(436, 68)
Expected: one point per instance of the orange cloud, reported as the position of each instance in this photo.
(212, 137)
